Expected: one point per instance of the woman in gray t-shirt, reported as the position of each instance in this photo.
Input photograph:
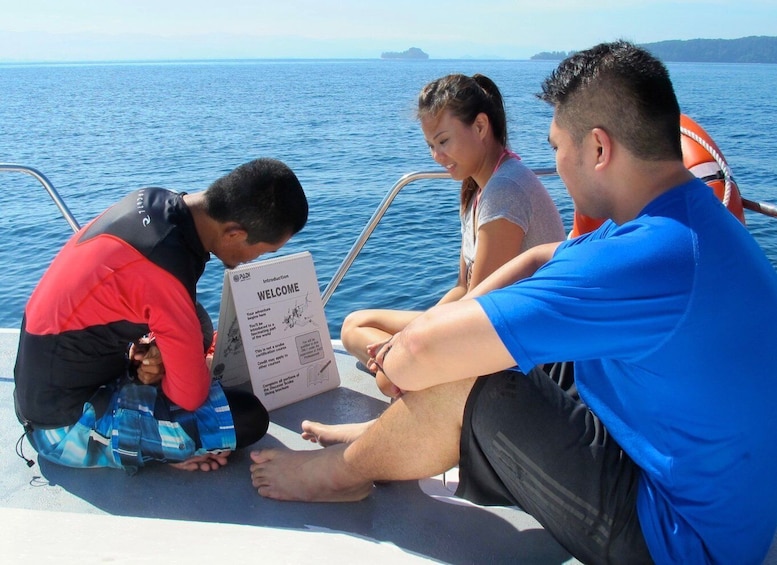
(505, 209)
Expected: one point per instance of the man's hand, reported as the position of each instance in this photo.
(207, 462)
(148, 360)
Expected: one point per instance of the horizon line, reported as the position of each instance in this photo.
(247, 59)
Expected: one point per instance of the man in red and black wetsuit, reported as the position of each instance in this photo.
(129, 274)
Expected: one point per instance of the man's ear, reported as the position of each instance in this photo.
(603, 145)
(234, 232)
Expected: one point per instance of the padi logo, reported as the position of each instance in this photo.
(140, 206)
(240, 277)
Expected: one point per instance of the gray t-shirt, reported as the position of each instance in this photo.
(515, 193)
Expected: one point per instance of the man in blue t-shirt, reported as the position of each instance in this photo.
(657, 442)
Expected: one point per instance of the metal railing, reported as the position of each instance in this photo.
(41, 178)
(760, 207)
(378, 215)
(349, 258)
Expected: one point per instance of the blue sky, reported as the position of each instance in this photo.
(33, 30)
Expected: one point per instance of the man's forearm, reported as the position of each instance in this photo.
(447, 343)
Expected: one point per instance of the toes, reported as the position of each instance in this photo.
(261, 456)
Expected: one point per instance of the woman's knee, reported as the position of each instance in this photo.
(352, 329)
(350, 323)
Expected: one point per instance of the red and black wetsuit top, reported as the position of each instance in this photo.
(131, 271)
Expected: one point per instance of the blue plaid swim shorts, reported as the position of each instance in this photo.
(139, 425)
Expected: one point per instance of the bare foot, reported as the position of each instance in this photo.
(331, 434)
(207, 462)
(320, 475)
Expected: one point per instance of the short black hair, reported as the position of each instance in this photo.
(622, 89)
(263, 196)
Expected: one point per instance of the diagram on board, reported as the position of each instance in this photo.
(298, 316)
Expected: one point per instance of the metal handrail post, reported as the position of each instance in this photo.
(378, 214)
(41, 178)
(372, 224)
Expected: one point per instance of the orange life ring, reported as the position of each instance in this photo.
(704, 159)
(583, 224)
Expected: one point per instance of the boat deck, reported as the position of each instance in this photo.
(57, 514)
(54, 514)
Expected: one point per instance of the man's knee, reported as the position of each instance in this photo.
(446, 401)
(249, 416)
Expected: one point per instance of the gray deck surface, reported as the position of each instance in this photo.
(53, 514)
(50, 513)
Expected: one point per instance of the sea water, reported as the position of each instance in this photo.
(346, 127)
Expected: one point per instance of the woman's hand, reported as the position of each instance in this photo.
(377, 353)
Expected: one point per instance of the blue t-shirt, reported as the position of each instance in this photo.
(671, 320)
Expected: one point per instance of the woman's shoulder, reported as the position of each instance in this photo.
(512, 176)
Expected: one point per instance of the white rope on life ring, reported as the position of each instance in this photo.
(727, 175)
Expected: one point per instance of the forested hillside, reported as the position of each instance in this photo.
(754, 49)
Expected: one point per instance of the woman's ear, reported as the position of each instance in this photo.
(482, 125)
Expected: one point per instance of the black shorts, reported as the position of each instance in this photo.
(528, 441)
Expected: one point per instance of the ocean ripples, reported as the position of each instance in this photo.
(347, 128)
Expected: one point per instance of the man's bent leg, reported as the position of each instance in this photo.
(128, 425)
(528, 443)
(248, 415)
(79, 445)
(416, 437)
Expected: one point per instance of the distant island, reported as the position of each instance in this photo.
(413, 53)
(753, 49)
(551, 55)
